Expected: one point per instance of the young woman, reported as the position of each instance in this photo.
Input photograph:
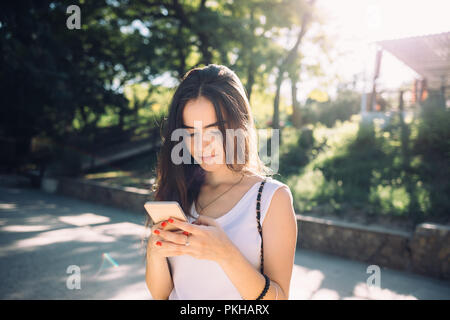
(218, 254)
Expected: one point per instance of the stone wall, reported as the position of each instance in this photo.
(127, 198)
(374, 245)
(425, 251)
(430, 248)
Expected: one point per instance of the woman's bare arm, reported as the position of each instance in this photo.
(280, 238)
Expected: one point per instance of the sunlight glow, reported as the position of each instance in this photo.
(7, 206)
(84, 219)
(308, 284)
(80, 234)
(21, 228)
(109, 174)
(361, 290)
(355, 25)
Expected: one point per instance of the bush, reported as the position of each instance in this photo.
(328, 113)
(432, 146)
(351, 169)
(296, 153)
(401, 170)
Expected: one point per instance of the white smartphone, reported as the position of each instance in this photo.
(163, 210)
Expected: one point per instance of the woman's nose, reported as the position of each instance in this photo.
(206, 142)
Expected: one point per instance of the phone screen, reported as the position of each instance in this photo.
(163, 210)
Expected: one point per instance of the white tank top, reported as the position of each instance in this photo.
(196, 279)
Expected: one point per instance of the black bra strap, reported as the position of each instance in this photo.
(258, 217)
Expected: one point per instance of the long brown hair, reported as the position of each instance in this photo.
(222, 87)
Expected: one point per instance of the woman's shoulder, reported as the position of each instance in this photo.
(275, 183)
(279, 191)
(271, 183)
(277, 195)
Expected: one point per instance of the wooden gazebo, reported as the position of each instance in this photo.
(428, 55)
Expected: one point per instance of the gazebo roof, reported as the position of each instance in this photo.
(428, 55)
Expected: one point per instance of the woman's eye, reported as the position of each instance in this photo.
(215, 132)
(196, 134)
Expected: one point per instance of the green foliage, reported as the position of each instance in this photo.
(56, 81)
(433, 140)
(432, 148)
(346, 104)
(309, 187)
(400, 169)
(350, 170)
(59, 83)
(297, 151)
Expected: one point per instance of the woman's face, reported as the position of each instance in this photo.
(206, 141)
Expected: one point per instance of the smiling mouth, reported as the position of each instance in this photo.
(207, 157)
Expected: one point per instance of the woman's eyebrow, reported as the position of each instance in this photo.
(209, 125)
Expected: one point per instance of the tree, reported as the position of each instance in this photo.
(288, 62)
(51, 75)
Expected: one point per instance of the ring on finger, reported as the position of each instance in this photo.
(187, 241)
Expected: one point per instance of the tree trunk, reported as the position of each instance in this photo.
(202, 36)
(276, 105)
(251, 65)
(296, 116)
(181, 55)
(285, 63)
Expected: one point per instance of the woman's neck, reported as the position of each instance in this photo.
(216, 178)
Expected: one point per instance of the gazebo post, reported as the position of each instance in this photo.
(375, 77)
(443, 92)
(400, 101)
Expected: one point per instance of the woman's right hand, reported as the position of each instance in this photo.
(155, 241)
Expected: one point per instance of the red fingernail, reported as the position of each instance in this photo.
(156, 231)
(164, 224)
(185, 233)
(170, 220)
(158, 243)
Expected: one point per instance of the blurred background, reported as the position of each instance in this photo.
(358, 88)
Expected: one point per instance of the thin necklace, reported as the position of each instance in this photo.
(202, 208)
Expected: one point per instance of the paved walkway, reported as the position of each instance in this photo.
(42, 234)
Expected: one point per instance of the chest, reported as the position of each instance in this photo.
(212, 204)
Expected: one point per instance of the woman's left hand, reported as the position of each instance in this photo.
(207, 240)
